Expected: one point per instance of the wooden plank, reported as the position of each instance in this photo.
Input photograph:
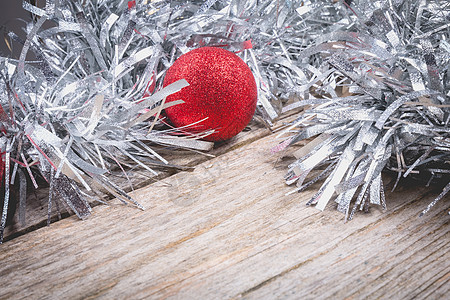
(227, 230)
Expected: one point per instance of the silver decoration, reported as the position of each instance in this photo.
(384, 102)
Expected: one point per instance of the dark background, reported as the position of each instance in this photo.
(11, 12)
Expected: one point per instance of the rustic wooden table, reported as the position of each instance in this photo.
(227, 230)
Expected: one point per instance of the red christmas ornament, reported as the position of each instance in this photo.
(221, 88)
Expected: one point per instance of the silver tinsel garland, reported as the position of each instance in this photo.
(372, 75)
(375, 86)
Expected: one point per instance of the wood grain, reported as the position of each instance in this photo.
(227, 230)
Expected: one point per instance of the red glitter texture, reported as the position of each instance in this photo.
(221, 88)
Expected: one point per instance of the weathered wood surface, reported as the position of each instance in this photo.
(227, 230)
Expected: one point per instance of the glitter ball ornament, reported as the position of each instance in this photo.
(222, 92)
